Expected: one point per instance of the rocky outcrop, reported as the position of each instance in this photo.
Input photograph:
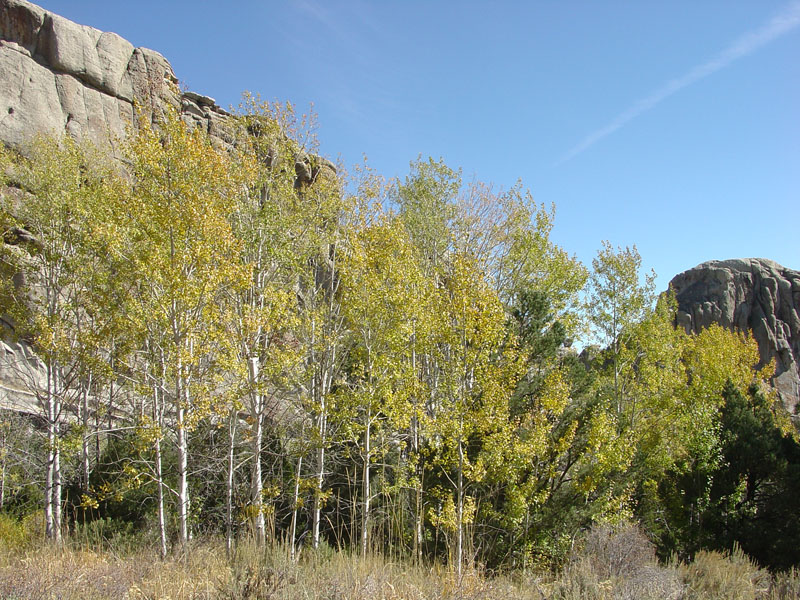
(57, 76)
(753, 294)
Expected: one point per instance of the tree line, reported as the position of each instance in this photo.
(222, 348)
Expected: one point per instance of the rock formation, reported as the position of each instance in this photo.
(749, 294)
(60, 77)
(57, 76)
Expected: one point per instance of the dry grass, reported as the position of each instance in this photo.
(204, 573)
(714, 576)
(46, 574)
(734, 576)
(610, 565)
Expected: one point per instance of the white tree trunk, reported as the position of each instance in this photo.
(256, 480)
(162, 523)
(183, 460)
(365, 491)
(57, 488)
(317, 516)
(419, 471)
(53, 476)
(232, 423)
(295, 505)
(85, 466)
(49, 526)
(158, 419)
(460, 516)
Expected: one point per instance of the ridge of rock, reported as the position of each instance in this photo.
(754, 294)
(61, 77)
(58, 76)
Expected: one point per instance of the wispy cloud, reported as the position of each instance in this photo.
(783, 23)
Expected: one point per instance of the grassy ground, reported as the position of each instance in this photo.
(610, 565)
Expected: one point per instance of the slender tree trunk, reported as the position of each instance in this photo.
(418, 508)
(319, 394)
(183, 463)
(53, 476)
(317, 517)
(48, 486)
(97, 420)
(256, 480)
(162, 522)
(51, 444)
(295, 507)
(415, 450)
(57, 475)
(232, 425)
(365, 491)
(57, 486)
(85, 466)
(460, 515)
(319, 399)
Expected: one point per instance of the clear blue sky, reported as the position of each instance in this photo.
(674, 126)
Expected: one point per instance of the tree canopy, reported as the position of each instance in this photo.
(413, 367)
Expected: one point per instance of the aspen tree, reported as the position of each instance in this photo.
(185, 260)
(477, 382)
(379, 278)
(617, 301)
(53, 305)
(322, 333)
(277, 227)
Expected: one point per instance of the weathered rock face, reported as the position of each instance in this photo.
(57, 76)
(60, 77)
(749, 294)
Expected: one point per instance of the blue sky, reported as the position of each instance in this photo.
(674, 126)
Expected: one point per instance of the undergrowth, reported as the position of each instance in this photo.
(613, 564)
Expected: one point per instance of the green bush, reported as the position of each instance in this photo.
(17, 534)
(113, 535)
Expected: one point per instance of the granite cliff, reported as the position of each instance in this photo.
(58, 76)
(748, 294)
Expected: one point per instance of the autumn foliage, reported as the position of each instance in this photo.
(411, 368)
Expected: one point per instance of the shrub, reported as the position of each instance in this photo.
(618, 552)
(718, 576)
(617, 563)
(20, 534)
(785, 586)
(12, 533)
(650, 582)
